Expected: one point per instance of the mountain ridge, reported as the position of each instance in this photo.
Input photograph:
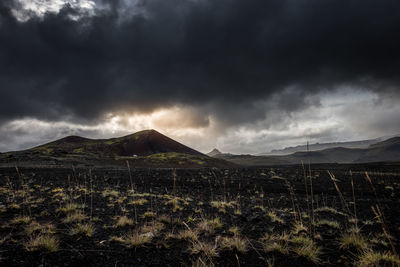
(147, 148)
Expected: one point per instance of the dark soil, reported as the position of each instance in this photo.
(258, 193)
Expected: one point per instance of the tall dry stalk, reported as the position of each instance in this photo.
(306, 187)
(379, 215)
(91, 193)
(345, 207)
(377, 210)
(297, 212)
(130, 176)
(354, 200)
(174, 184)
(312, 200)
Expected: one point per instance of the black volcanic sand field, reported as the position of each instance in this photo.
(236, 217)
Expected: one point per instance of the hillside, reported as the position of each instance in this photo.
(251, 160)
(388, 150)
(147, 148)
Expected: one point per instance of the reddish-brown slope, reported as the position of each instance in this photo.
(149, 142)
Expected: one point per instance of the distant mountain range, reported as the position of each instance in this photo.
(388, 150)
(147, 148)
(321, 146)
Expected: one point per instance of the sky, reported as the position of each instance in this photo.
(241, 76)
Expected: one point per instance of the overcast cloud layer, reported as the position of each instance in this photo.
(246, 76)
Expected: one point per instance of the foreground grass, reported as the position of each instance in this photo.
(204, 230)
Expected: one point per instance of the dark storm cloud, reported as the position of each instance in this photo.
(222, 56)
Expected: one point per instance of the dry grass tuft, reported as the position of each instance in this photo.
(122, 221)
(42, 242)
(21, 220)
(210, 226)
(235, 243)
(353, 240)
(74, 217)
(209, 250)
(136, 239)
(374, 258)
(85, 228)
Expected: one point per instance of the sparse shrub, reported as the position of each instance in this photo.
(164, 219)
(308, 251)
(222, 206)
(110, 193)
(189, 235)
(190, 219)
(14, 206)
(235, 243)
(85, 228)
(21, 220)
(148, 214)
(301, 241)
(238, 212)
(174, 202)
(276, 243)
(153, 227)
(299, 228)
(329, 210)
(353, 240)
(234, 230)
(209, 250)
(209, 225)
(202, 262)
(275, 218)
(77, 216)
(375, 258)
(34, 226)
(276, 247)
(69, 207)
(122, 221)
(138, 202)
(42, 241)
(116, 239)
(136, 239)
(329, 223)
